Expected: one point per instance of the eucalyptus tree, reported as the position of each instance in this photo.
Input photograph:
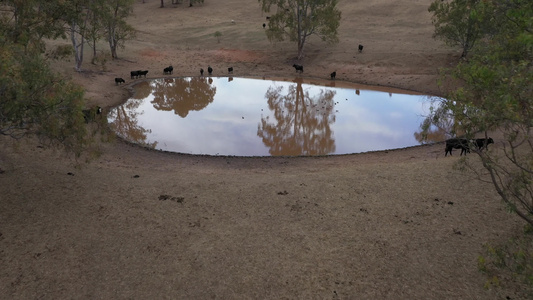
(460, 22)
(495, 95)
(300, 19)
(27, 22)
(78, 14)
(33, 99)
(118, 30)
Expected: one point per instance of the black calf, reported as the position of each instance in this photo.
(457, 144)
(298, 68)
(134, 74)
(483, 143)
(209, 70)
(201, 72)
(230, 70)
(168, 70)
(333, 75)
(360, 48)
(119, 81)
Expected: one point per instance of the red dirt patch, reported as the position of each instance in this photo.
(235, 55)
(151, 53)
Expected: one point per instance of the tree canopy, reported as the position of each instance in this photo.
(299, 19)
(495, 96)
(34, 99)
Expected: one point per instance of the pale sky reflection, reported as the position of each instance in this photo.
(230, 122)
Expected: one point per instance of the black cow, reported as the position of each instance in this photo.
(201, 72)
(142, 73)
(360, 48)
(119, 81)
(168, 70)
(90, 114)
(209, 70)
(230, 70)
(264, 25)
(134, 74)
(298, 68)
(333, 75)
(483, 143)
(456, 144)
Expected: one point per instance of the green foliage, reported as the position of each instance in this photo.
(460, 22)
(299, 19)
(510, 266)
(495, 95)
(113, 16)
(60, 52)
(33, 99)
(36, 101)
(27, 22)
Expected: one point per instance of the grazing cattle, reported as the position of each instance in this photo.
(456, 144)
(268, 18)
(264, 25)
(201, 72)
(90, 114)
(134, 74)
(360, 48)
(483, 143)
(230, 70)
(333, 75)
(209, 70)
(168, 70)
(119, 81)
(298, 68)
(142, 73)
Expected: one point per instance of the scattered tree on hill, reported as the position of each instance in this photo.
(496, 96)
(118, 31)
(459, 22)
(299, 19)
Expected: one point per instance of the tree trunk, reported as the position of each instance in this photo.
(112, 42)
(77, 45)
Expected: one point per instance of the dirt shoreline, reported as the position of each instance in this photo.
(143, 224)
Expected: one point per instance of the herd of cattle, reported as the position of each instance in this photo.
(465, 145)
(455, 143)
(169, 70)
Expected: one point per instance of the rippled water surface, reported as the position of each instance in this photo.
(256, 117)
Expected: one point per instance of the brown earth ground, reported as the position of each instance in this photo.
(399, 224)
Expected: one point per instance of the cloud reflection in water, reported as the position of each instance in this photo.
(253, 117)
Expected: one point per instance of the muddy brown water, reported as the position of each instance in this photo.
(266, 117)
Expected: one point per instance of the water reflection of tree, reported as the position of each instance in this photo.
(302, 125)
(125, 123)
(142, 90)
(182, 94)
(433, 130)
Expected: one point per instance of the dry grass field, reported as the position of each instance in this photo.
(142, 224)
